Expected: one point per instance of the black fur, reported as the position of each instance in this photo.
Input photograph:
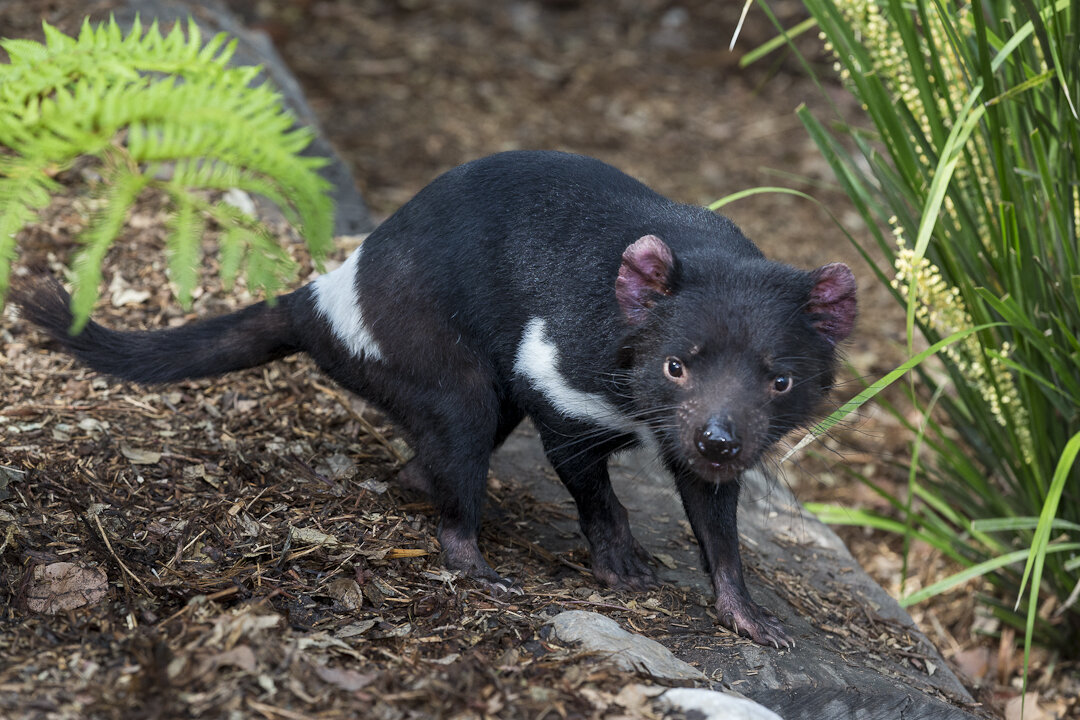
(694, 350)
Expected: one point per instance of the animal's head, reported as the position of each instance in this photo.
(728, 354)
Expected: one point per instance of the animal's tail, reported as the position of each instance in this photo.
(255, 335)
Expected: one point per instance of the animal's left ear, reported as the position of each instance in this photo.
(832, 301)
(646, 270)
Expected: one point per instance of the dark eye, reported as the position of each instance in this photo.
(781, 384)
(673, 368)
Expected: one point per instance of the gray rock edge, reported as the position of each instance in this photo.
(596, 633)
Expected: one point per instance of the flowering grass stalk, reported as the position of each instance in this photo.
(972, 142)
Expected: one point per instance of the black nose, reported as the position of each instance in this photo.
(716, 441)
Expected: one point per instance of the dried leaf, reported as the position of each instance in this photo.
(347, 592)
(121, 293)
(240, 656)
(637, 699)
(354, 629)
(1030, 704)
(322, 641)
(448, 660)
(336, 466)
(311, 536)
(140, 457)
(93, 427)
(376, 486)
(975, 662)
(347, 680)
(65, 586)
(374, 554)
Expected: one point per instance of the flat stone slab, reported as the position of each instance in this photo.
(713, 705)
(858, 654)
(600, 634)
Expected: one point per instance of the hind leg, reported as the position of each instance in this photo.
(453, 427)
(414, 477)
(451, 414)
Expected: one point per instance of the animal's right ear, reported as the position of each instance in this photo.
(646, 271)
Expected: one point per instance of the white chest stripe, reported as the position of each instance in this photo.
(538, 359)
(336, 300)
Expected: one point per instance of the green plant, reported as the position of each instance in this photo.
(154, 112)
(968, 176)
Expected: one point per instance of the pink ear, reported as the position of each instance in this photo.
(832, 301)
(646, 269)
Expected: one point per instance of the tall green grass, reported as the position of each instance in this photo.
(966, 169)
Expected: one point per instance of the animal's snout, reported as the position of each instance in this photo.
(717, 442)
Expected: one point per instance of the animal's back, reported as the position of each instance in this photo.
(498, 241)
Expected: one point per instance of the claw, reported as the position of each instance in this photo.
(503, 585)
(749, 619)
(623, 570)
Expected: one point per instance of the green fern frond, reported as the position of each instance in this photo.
(122, 189)
(163, 111)
(187, 227)
(233, 251)
(22, 194)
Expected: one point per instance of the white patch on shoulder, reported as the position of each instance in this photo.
(537, 360)
(337, 301)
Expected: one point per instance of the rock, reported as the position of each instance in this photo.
(713, 705)
(601, 635)
(629, 651)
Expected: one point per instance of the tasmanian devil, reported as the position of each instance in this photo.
(554, 286)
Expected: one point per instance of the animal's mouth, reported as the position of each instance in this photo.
(718, 472)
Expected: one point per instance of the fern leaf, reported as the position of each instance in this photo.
(193, 43)
(110, 34)
(220, 43)
(135, 35)
(24, 51)
(233, 245)
(56, 40)
(145, 101)
(183, 243)
(22, 193)
(123, 188)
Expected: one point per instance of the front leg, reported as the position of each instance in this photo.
(711, 507)
(618, 560)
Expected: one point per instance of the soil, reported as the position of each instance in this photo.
(235, 520)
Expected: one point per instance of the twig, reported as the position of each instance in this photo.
(272, 712)
(97, 520)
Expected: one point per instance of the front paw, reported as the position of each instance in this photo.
(745, 617)
(623, 567)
